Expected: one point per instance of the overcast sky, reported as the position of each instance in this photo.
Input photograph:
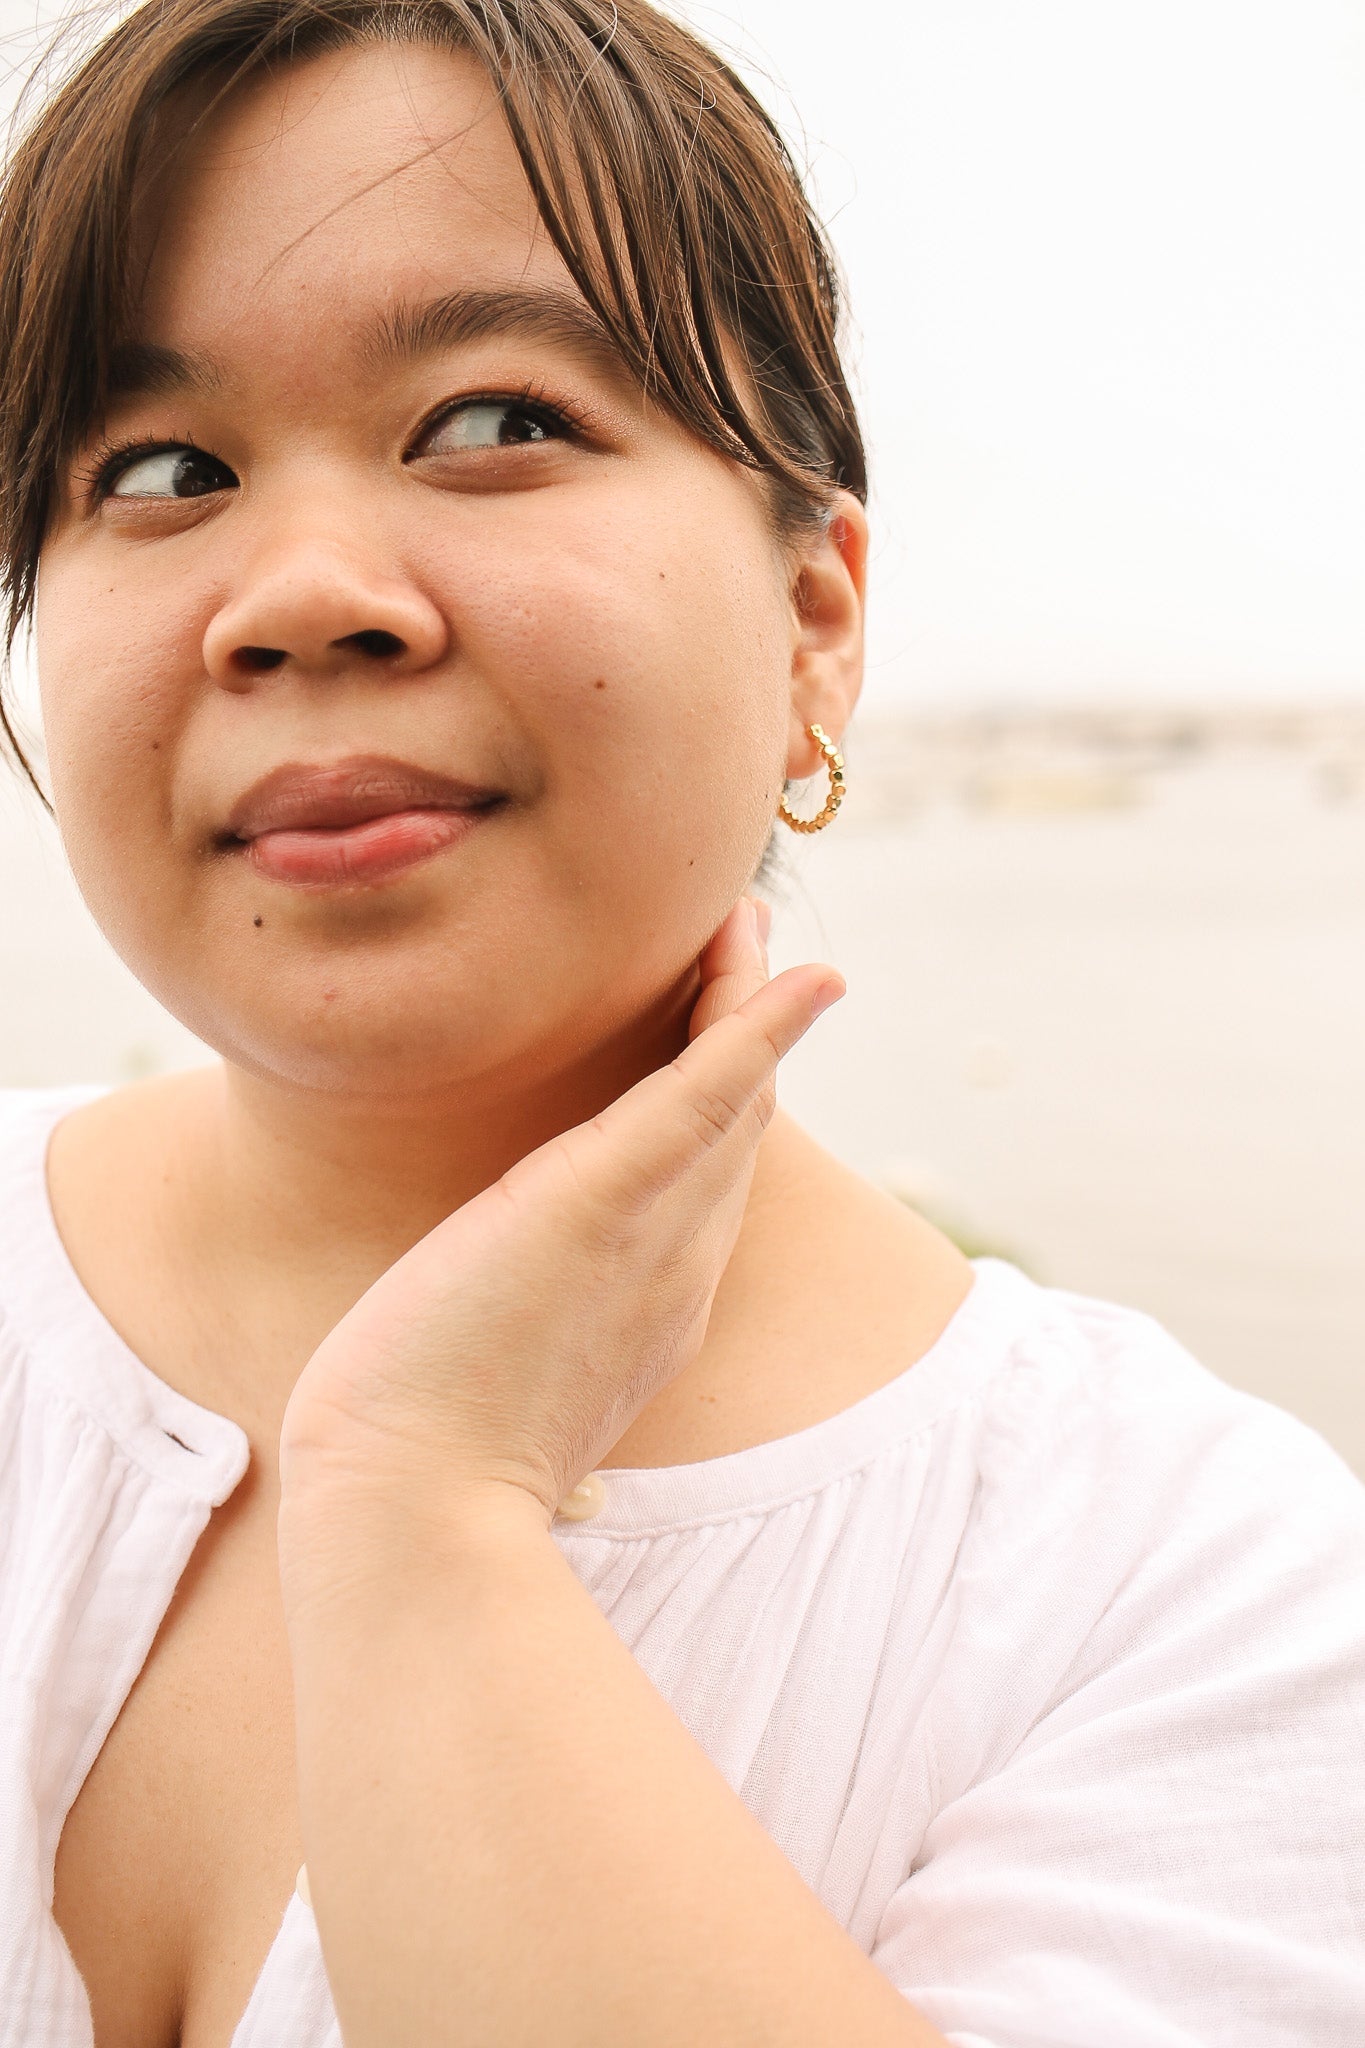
(1107, 271)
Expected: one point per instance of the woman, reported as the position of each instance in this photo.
(506, 1539)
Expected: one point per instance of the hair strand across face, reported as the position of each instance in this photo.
(666, 189)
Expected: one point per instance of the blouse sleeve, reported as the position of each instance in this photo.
(1150, 1832)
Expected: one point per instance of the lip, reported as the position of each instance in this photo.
(359, 855)
(301, 798)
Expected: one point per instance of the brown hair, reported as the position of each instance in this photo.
(665, 187)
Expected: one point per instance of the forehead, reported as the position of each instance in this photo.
(345, 186)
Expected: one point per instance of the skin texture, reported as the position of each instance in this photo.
(603, 626)
(606, 631)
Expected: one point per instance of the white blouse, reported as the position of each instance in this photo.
(1044, 1664)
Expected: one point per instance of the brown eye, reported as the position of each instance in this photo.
(173, 473)
(491, 423)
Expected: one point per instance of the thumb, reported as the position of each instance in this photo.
(733, 966)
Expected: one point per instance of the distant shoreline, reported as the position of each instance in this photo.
(1060, 758)
(1173, 727)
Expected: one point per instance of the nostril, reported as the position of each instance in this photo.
(377, 643)
(257, 660)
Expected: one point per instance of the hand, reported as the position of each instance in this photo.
(516, 1342)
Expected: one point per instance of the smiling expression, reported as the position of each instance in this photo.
(374, 497)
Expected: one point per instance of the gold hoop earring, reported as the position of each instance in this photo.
(834, 761)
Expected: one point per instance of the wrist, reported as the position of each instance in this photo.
(359, 1536)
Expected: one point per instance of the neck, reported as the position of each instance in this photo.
(224, 1230)
(284, 1205)
(312, 1177)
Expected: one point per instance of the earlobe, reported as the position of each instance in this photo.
(828, 592)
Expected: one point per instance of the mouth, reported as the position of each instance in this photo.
(358, 821)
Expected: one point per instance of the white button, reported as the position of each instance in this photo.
(588, 1498)
(301, 1885)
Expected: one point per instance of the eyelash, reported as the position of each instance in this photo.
(531, 397)
(97, 476)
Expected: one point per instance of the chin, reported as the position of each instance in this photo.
(372, 1033)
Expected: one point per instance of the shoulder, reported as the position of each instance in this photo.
(29, 1247)
(27, 1116)
(1100, 1417)
(1118, 1411)
(1139, 1527)
(73, 1397)
(1143, 1721)
(31, 1278)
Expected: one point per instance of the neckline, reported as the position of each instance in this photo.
(658, 1500)
(205, 1454)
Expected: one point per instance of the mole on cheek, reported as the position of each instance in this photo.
(258, 921)
(601, 683)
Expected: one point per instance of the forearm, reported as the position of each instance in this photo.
(512, 1839)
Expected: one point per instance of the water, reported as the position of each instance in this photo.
(1126, 1043)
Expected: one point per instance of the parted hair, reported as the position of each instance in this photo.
(665, 186)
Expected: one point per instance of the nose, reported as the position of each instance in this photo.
(316, 608)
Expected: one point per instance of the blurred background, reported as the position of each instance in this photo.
(1098, 887)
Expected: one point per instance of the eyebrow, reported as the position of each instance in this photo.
(144, 369)
(407, 332)
(528, 312)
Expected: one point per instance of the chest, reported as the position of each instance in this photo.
(178, 1858)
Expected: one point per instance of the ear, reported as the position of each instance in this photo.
(828, 594)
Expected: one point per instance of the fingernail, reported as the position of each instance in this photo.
(763, 913)
(827, 993)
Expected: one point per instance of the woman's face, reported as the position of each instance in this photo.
(372, 491)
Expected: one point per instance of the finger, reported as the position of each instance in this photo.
(732, 966)
(680, 1117)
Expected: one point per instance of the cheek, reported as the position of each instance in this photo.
(113, 703)
(649, 660)
(640, 664)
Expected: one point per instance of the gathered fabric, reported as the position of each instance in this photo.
(1044, 1664)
